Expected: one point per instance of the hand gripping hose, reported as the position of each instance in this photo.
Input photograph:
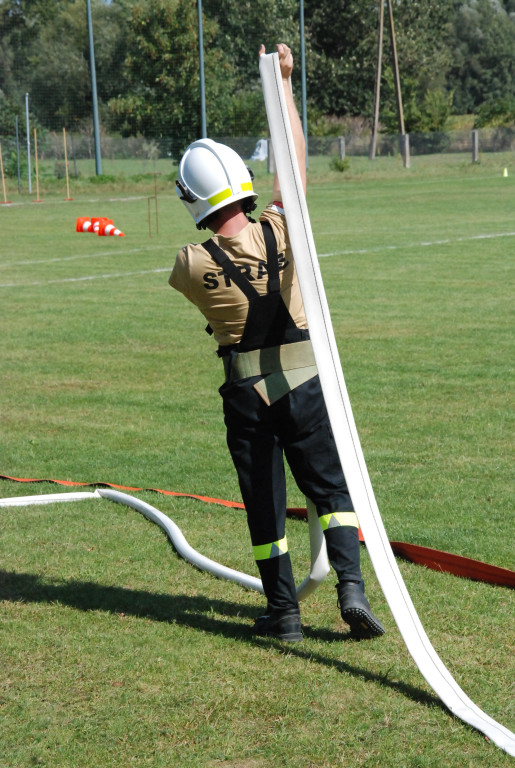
(342, 420)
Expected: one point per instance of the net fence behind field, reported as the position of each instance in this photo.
(488, 140)
(133, 155)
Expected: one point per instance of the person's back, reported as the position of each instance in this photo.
(221, 302)
(243, 280)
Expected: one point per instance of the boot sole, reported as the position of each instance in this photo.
(292, 637)
(363, 625)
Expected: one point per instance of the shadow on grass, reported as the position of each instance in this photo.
(197, 612)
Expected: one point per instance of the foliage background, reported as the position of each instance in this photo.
(455, 57)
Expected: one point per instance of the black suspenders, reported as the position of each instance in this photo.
(272, 260)
(238, 278)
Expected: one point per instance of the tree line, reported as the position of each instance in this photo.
(455, 57)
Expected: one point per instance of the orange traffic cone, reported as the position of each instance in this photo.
(97, 221)
(84, 224)
(107, 228)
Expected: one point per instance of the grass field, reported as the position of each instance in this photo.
(115, 652)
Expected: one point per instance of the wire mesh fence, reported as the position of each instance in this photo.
(75, 152)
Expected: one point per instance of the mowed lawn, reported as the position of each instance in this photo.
(113, 650)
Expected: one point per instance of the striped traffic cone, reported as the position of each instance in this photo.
(97, 221)
(107, 228)
(84, 224)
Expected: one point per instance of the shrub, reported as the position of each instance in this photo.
(102, 178)
(337, 164)
(496, 114)
(11, 166)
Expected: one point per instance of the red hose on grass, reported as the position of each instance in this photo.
(434, 559)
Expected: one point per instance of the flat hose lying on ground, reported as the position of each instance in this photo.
(436, 559)
(204, 563)
(342, 419)
(319, 564)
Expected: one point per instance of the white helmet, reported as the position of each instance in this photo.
(211, 176)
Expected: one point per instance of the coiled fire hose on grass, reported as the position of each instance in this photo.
(342, 419)
(319, 564)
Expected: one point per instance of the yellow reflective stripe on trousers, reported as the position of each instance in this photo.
(267, 551)
(335, 519)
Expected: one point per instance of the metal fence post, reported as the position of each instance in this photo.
(475, 146)
(28, 140)
(405, 149)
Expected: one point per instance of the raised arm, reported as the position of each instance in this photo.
(286, 65)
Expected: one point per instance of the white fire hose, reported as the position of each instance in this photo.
(319, 564)
(342, 420)
(174, 533)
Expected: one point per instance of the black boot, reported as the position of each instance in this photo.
(283, 625)
(282, 618)
(355, 610)
(278, 585)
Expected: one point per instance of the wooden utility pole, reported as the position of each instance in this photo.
(397, 79)
(377, 91)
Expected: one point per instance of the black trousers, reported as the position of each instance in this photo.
(259, 437)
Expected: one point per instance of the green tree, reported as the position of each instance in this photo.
(483, 67)
(21, 22)
(7, 84)
(342, 64)
(342, 39)
(241, 27)
(147, 67)
(44, 50)
(162, 97)
(422, 32)
(60, 79)
(436, 110)
(496, 114)
(7, 116)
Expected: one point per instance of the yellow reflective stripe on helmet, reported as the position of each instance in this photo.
(246, 186)
(267, 551)
(335, 519)
(223, 195)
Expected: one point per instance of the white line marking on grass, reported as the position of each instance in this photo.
(109, 276)
(86, 278)
(423, 244)
(86, 256)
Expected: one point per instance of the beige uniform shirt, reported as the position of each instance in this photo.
(222, 303)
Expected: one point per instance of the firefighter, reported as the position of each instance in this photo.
(243, 280)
